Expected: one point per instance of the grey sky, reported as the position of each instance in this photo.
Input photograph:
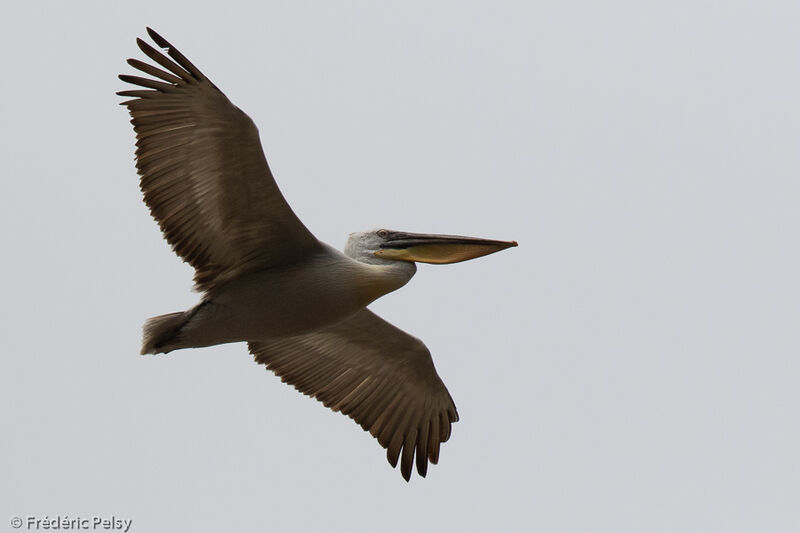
(632, 366)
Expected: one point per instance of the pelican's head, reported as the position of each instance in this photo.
(392, 245)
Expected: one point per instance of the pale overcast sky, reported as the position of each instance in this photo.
(633, 366)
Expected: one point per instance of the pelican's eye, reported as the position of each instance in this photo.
(382, 233)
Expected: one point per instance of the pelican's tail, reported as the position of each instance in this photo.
(161, 331)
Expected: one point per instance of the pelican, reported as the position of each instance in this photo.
(300, 304)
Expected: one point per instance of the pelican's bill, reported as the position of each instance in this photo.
(438, 249)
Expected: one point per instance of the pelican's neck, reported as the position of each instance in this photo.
(375, 280)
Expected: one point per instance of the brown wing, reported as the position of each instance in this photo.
(204, 175)
(375, 373)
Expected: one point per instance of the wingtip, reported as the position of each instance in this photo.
(143, 45)
(392, 455)
(158, 39)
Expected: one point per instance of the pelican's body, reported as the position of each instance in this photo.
(266, 280)
(286, 300)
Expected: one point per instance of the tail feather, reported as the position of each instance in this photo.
(160, 331)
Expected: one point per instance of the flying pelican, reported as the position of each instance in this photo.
(266, 280)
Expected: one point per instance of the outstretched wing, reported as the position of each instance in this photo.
(204, 175)
(375, 373)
